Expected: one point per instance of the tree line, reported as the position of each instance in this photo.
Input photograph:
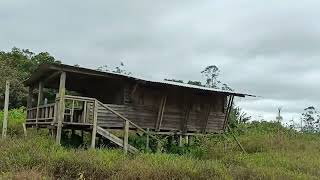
(18, 64)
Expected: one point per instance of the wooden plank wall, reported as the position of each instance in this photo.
(144, 107)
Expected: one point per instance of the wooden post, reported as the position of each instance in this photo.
(228, 112)
(190, 140)
(206, 118)
(126, 137)
(235, 138)
(161, 112)
(84, 114)
(187, 139)
(148, 139)
(5, 110)
(82, 136)
(60, 113)
(40, 97)
(56, 109)
(95, 122)
(180, 140)
(30, 97)
(24, 129)
(72, 111)
(184, 122)
(159, 148)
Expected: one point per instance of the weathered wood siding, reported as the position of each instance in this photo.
(144, 105)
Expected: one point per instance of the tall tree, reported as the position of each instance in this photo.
(310, 117)
(17, 66)
(211, 74)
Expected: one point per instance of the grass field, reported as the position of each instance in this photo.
(273, 152)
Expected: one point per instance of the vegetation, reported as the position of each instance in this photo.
(273, 152)
(17, 66)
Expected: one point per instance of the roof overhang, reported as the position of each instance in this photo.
(44, 72)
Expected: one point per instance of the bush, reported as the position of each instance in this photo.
(15, 119)
(273, 153)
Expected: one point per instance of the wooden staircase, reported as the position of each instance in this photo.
(82, 112)
(105, 133)
(113, 138)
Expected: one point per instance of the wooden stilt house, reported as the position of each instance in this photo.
(99, 101)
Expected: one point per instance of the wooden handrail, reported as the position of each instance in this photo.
(41, 106)
(126, 119)
(79, 98)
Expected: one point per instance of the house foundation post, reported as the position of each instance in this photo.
(61, 108)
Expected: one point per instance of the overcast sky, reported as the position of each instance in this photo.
(267, 48)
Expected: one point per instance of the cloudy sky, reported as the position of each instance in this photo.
(267, 48)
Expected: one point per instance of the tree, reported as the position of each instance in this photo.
(174, 80)
(196, 83)
(226, 87)
(211, 74)
(16, 66)
(238, 116)
(121, 69)
(310, 117)
(279, 118)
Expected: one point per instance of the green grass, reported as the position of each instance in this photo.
(273, 152)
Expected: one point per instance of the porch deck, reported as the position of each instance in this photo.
(83, 113)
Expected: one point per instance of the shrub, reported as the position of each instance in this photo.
(273, 153)
(15, 119)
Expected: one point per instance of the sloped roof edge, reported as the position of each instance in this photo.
(44, 68)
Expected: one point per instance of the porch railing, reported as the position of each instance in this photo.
(77, 110)
(83, 110)
(43, 113)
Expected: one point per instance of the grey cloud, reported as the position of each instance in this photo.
(268, 48)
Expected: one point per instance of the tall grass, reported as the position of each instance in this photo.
(15, 119)
(273, 152)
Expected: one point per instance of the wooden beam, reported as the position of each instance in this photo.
(5, 110)
(24, 129)
(126, 119)
(206, 118)
(40, 100)
(55, 113)
(60, 114)
(187, 139)
(171, 133)
(180, 141)
(148, 140)
(52, 76)
(235, 138)
(161, 112)
(228, 111)
(134, 90)
(84, 114)
(30, 97)
(72, 112)
(184, 122)
(95, 123)
(126, 137)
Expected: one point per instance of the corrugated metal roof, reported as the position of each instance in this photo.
(63, 67)
(165, 82)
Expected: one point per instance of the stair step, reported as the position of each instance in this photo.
(105, 133)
